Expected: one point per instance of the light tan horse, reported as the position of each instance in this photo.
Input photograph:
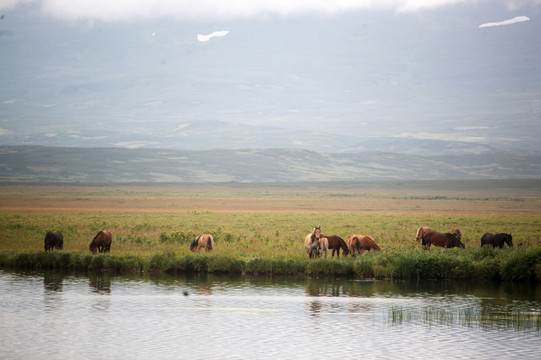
(456, 232)
(312, 243)
(361, 243)
(205, 241)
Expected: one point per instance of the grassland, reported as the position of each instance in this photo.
(261, 228)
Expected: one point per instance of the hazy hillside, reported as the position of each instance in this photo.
(412, 83)
(35, 163)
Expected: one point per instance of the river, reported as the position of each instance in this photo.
(52, 315)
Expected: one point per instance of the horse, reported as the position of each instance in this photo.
(360, 243)
(101, 242)
(336, 243)
(312, 243)
(445, 240)
(355, 245)
(497, 239)
(205, 241)
(53, 239)
(456, 232)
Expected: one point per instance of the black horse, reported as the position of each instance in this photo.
(53, 239)
(497, 240)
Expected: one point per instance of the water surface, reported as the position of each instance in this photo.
(50, 315)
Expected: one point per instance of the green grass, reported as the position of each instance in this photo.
(414, 264)
(272, 243)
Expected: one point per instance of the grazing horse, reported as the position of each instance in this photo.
(336, 243)
(312, 243)
(360, 243)
(497, 239)
(430, 237)
(205, 241)
(53, 239)
(101, 242)
(456, 232)
(354, 245)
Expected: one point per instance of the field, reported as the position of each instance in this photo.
(260, 228)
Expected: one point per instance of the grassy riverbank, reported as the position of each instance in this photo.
(261, 229)
(477, 264)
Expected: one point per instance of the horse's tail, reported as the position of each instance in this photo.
(358, 245)
(209, 243)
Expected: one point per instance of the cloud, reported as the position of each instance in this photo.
(210, 36)
(107, 10)
(514, 20)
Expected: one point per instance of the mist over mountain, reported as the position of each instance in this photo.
(414, 83)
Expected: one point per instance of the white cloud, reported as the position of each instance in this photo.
(450, 137)
(4, 132)
(108, 10)
(514, 20)
(204, 38)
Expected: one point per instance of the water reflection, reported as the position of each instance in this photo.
(100, 283)
(52, 281)
(151, 315)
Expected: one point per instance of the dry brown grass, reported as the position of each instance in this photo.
(173, 199)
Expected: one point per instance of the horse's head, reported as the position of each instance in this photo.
(457, 243)
(93, 248)
(508, 239)
(316, 233)
(420, 233)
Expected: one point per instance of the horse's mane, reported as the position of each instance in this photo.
(209, 242)
(314, 233)
(95, 237)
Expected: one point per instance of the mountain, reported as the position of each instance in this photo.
(54, 164)
(419, 83)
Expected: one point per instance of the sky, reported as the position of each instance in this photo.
(147, 72)
(122, 10)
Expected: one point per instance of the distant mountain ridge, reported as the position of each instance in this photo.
(61, 164)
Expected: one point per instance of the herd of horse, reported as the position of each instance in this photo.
(103, 239)
(101, 242)
(317, 244)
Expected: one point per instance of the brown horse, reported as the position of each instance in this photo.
(497, 239)
(205, 241)
(430, 237)
(53, 239)
(336, 243)
(360, 243)
(101, 242)
(312, 243)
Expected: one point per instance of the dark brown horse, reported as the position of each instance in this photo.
(360, 243)
(205, 241)
(336, 243)
(101, 242)
(497, 240)
(445, 240)
(53, 239)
